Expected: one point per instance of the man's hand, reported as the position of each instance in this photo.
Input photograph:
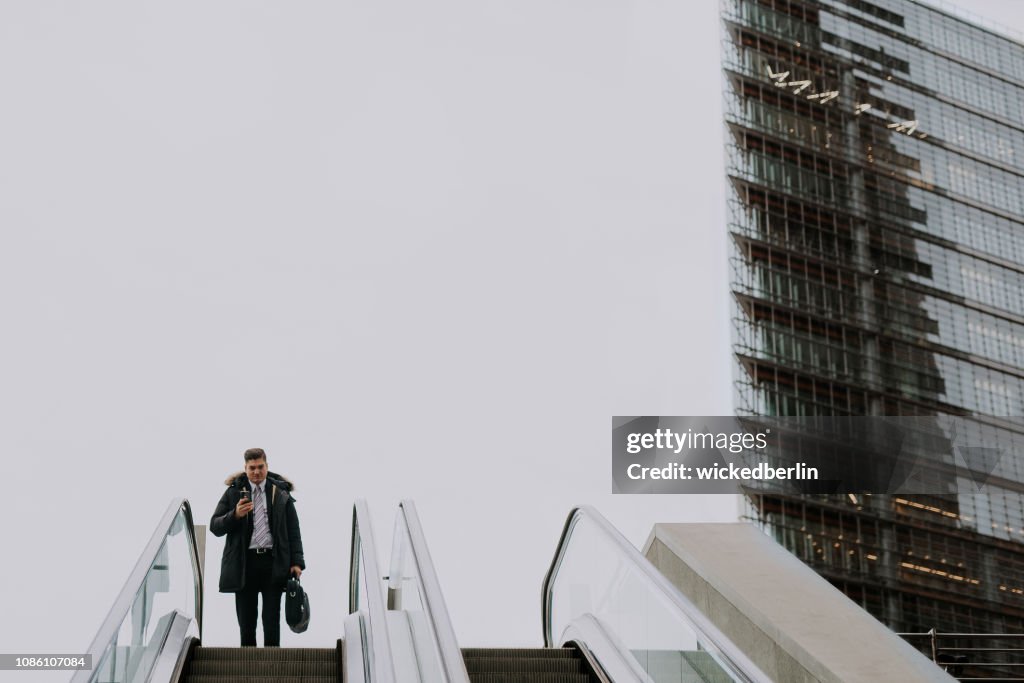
(297, 571)
(243, 508)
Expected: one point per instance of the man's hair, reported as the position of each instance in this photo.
(255, 454)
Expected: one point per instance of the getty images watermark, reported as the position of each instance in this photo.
(730, 442)
(923, 455)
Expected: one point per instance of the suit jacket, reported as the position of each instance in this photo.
(284, 527)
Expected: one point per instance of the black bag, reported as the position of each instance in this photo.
(296, 606)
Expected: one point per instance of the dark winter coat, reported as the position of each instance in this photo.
(284, 527)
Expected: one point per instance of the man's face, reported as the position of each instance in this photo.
(256, 470)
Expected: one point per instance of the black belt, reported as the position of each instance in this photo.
(261, 551)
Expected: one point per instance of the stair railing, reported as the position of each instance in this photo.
(609, 658)
(415, 592)
(973, 656)
(166, 583)
(608, 580)
(366, 604)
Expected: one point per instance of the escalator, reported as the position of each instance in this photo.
(262, 665)
(528, 665)
(607, 617)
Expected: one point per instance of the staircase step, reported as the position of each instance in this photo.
(526, 665)
(261, 679)
(520, 652)
(568, 665)
(529, 677)
(263, 665)
(268, 667)
(263, 654)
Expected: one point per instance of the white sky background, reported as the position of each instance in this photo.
(411, 251)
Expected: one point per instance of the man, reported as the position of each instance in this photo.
(264, 545)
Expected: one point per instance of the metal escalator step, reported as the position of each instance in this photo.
(529, 677)
(568, 665)
(261, 679)
(268, 667)
(262, 654)
(528, 652)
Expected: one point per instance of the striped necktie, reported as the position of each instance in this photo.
(261, 532)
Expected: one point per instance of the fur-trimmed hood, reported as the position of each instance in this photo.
(239, 479)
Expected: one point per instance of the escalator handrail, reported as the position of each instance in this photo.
(364, 551)
(614, 662)
(433, 600)
(696, 619)
(123, 603)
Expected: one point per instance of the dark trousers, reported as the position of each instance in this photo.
(258, 568)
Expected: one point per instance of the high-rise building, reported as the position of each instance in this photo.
(875, 155)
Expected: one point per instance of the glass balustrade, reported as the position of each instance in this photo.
(164, 587)
(596, 576)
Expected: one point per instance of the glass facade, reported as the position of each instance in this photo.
(875, 154)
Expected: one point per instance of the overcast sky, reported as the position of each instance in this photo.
(411, 250)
